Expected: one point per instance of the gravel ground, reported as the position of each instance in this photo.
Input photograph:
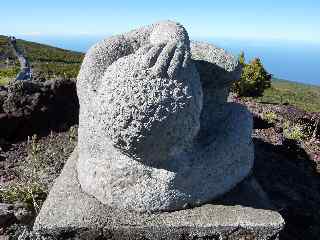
(287, 169)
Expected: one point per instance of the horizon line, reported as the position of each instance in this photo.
(192, 37)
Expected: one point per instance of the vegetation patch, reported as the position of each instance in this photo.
(7, 55)
(253, 80)
(31, 194)
(51, 70)
(35, 172)
(37, 52)
(270, 117)
(4, 81)
(51, 62)
(293, 131)
(7, 74)
(303, 96)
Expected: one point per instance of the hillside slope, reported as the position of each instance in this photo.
(47, 61)
(6, 52)
(303, 96)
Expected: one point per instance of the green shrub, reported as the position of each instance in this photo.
(73, 134)
(293, 131)
(29, 190)
(254, 78)
(30, 194)
(270, 117)
(7, 74)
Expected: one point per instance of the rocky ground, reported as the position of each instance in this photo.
(287, 165)
(28, 169)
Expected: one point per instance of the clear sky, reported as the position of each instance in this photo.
(272, 19)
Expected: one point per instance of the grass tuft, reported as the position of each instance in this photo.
(270, 117)
(31, 194)
(293, 131)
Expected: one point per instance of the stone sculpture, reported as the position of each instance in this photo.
(154, 135)
(157, 140)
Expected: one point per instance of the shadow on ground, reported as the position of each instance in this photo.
(284, 179)
(290, 179)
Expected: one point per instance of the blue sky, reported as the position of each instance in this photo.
(296, 20)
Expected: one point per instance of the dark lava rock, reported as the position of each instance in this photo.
(6, 214)
(29, 107)
(24, 215)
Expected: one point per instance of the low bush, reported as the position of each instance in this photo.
(270, 117)
(293, 131)
(254, 79)
(31, 194)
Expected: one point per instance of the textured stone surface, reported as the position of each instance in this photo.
(146, 104)
(217, 69)
(144, 143)
(69, 213)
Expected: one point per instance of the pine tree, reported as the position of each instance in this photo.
(242, 59)
(254, 78)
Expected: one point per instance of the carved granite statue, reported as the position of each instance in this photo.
(157, 142)
(154, 135)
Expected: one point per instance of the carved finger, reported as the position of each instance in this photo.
(163, 62)
(186, 60)
(176, 61)
(144, 49)
(152, 55)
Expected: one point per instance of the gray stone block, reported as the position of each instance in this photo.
(69, 213)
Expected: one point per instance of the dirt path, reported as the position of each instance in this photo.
(25, 69)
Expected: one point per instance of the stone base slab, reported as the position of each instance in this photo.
(69, 213)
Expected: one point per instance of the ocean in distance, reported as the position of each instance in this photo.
(290, 60)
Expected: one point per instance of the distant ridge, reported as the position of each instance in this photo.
(275, 79)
